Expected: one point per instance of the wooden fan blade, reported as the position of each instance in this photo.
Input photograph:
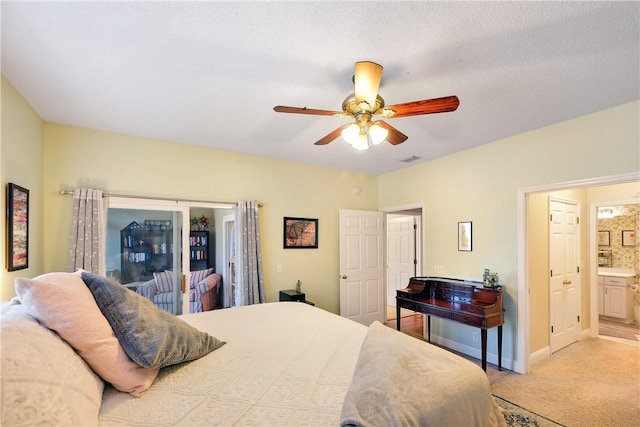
(394, 137)
(304, 110)
(331, 137)
(366, 78)
(426, 106)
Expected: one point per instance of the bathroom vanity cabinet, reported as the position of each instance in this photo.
(616, 297)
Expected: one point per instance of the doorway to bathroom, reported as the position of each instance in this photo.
(618, 255)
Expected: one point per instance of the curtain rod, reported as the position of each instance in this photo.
(128, 196)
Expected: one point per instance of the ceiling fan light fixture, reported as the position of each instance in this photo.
(351, 133)
(362, 142)
(357, 136)
(377, 133)
(363, 136)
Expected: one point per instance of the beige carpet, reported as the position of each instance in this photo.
(593, 382)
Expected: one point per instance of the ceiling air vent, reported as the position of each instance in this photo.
(410, 159)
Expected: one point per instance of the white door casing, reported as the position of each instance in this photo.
(228, 259)
(400, 253)
(361, 266)
(564, 281)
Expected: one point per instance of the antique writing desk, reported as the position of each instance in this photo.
(458, 300)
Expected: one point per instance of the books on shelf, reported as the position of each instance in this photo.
(134, 256)
(198, 240)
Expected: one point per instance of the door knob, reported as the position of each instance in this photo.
(343, 276)
(566, 282)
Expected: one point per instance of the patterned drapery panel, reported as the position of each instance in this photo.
(250, 288)
(86, 247)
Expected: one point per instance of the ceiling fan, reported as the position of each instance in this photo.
(366, 103)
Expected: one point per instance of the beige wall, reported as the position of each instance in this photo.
(122, 164)
(481, 185)
(22, 163)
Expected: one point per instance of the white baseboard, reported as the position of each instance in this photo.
(492, 357)
(510, 364)
(539, 355)
(545, 352)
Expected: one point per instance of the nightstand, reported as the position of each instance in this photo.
(293, 295)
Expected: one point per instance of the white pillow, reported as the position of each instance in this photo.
(44, 381)
(63, 303)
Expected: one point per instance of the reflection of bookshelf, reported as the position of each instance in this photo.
(145, 249)
(199, 250)
(605, 258)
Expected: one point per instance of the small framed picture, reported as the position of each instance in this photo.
(628, 237)
(464, 236)
(17, 227)
(300, 233)
(604, 238)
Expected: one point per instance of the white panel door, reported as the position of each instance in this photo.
(564, 282)
(401, 258)
(361, 266)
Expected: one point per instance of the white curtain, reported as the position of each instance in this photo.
(250, 289)
(86, 247)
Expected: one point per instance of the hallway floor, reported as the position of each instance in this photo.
(618, 331)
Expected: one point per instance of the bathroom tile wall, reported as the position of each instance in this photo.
(626, 217)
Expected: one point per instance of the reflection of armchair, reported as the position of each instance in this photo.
(204, 293)
(203, 289)
(159, 290)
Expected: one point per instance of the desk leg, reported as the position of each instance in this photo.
(483, 334)
(428, 328)
(397, 316)
(500, 348)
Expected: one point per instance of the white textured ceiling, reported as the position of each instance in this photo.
(210, 73)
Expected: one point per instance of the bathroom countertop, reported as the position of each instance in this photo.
(616, 272)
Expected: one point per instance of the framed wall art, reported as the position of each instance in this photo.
(464, 236)
(17, 227)
(628, 237)
(604, 238)
(300, 233)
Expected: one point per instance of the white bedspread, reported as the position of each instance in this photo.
(290, 364)
(277, 368)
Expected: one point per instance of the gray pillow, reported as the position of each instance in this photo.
(152, 337)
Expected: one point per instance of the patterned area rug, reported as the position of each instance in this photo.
(518, 416)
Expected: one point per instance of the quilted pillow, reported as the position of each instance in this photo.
(43, 380)
(152, 337)
(62, 302)
(414, 379)
(164, 281)
(198, 275)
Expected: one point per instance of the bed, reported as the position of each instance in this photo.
(284, 363)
